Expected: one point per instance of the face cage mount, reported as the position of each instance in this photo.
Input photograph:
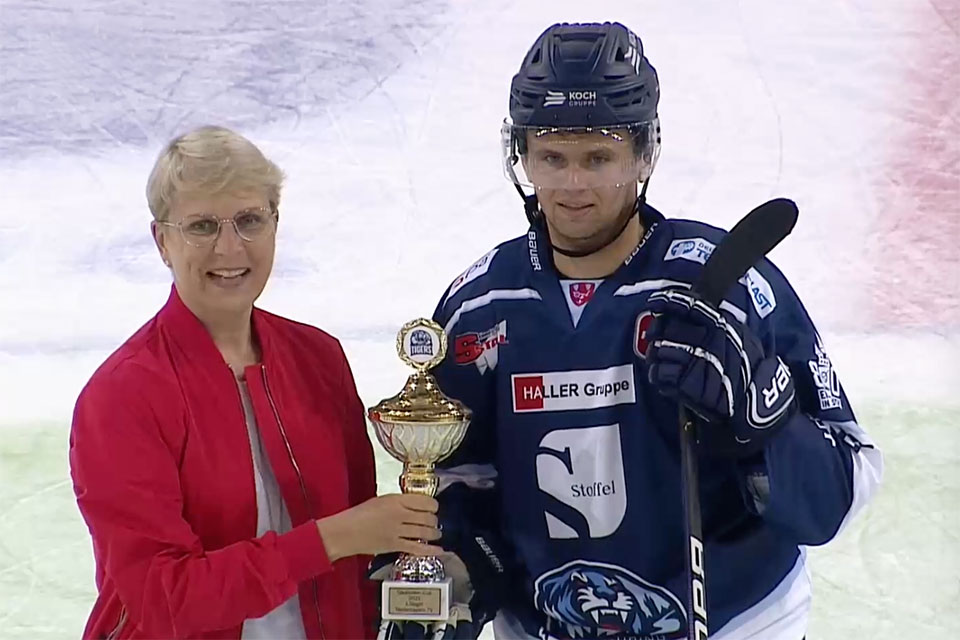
(649, 130)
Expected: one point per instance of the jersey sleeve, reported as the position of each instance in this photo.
(822, 467)
(466, 375)
(469, 493)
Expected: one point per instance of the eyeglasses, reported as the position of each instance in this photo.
(202, 230)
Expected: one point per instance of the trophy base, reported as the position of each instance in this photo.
(429, 601)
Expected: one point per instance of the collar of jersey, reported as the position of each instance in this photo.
(652, 225)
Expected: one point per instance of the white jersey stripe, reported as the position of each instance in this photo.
(781, 615)
(654, 285)
(649, 285)
(481, 301)
(475, 476)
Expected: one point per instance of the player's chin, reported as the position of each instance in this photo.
(575, 224)
(580, 228)
(578, 240)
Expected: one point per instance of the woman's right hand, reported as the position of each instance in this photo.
(383, 524)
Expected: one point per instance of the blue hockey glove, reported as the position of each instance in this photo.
(717, 367)
(464, 623)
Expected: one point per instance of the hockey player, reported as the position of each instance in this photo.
(574, 346)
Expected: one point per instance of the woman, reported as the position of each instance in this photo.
(220, 456)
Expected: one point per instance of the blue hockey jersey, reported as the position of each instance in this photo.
(581, 455)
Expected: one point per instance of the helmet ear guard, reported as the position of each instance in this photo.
(514, 147)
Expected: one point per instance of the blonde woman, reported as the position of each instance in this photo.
(220, 457)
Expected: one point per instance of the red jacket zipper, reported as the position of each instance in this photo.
(303, 487)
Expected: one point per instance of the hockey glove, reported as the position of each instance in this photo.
(463, 624)
(717, 367)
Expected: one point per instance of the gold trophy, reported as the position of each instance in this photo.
(419, 426)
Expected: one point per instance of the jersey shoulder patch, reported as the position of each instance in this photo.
(474, 271)
(696, 245)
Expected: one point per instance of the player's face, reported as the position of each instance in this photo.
(225, 275)
(583, 181)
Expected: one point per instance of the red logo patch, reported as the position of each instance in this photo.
(640, 343)
(581, 292)
(527, 393)
(481, 347)
(467, 348)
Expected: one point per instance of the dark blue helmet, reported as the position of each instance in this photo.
(582, 78)
(585, 75)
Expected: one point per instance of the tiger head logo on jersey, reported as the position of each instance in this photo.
(593, 599)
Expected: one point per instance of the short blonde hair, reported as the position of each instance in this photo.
(208, 161)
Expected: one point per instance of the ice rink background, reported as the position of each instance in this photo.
(385, 115)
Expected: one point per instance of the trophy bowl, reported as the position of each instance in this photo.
(419, 427)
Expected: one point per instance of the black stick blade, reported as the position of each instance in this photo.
(747, 243)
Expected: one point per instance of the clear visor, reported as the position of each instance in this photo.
(579, 157)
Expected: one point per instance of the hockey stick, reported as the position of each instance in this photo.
(747, 243)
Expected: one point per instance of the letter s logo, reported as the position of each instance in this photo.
(582, 470)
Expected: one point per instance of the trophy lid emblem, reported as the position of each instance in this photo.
(422, 344)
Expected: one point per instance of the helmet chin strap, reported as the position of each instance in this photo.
(532, 209)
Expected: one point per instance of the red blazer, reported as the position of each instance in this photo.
(163, 474)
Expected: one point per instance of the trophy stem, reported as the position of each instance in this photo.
(419, 477)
